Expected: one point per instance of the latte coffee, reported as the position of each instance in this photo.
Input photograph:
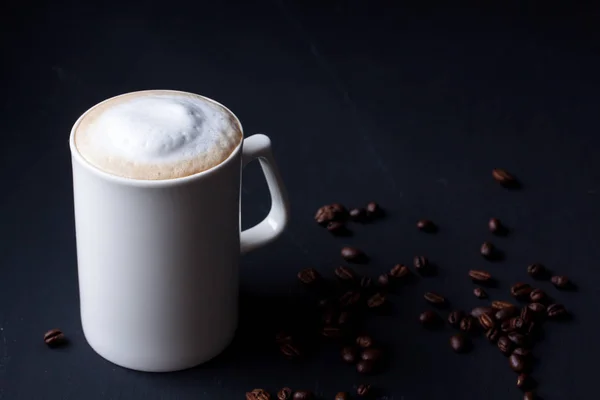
(157, 134)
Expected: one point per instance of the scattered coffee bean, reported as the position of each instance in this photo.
(434, 298)
(374, 210)
(371, 354)
(486, 321)
(480, 293)
(523, 381)
(303, 395)
(258, 394)
(344, 318)
(353, 255)
(556, 311)
(283, 337)
(331, 212)
(383, 280)
(365, 282)
(505, 313)
(521, 290)
(290, 350)
(376, 301)
(460, 343)
(503, 177)
(55, 338)
(309, 276)
(529, 396)
(561, 282)
(358, 214)
(517, 363)
(349, 299)
(537, 308)
(467, 324)
(477, 311)
(426, 226)
(363, 390)
(518, 339)
(493, 335)
(533, 330)
(505, 345)
(285, 394)
(499, 304)
(480, 276)
(337, 228)
(537, 271)
(496, 226)
(364, 341)
(345, 274)
(523, 353)
(527, 315)
(331, 332)
(400, 271)
(342, 396)
(421, 263)
(349, 354)
(430, 319)
(538, 296)
(513, 324)
(455, 317)
(487, 250)
(365, 366)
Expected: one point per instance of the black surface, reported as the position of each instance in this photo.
(409, 106)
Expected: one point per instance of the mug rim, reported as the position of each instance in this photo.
(76, 155)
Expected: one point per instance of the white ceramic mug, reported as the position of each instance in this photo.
(158, 260)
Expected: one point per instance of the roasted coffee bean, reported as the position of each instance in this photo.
(290, 350)
(513, 324)
(258, 394)
(363, 390)
(365, 366)
(533, 330)
(376, 301)
(344, 274)
(517, 363)
(342, 396)
(521, 290)
(434, 298)
(344, 318)
(467, 324)
(421, 263)
(523, 353)
(503, 177)
(374, 210)
(358, 214)
(285, 394)
(523, 381)
(329, 315)
(400, 271)
(537, 271)
(487, 249)
(331, 332)
(349, 299)
(529, 396)
(537, 308)
(486, 321)
(55, 338)
(499, 304)
(337, 228)
(505, 345)
(480, 276)
(480, 293)
(309, 276)
(371, 354)
(282, 337)
(460, 343)
(556, 311)
(455, 317)
(331, 212)
(353, 255)
(477, 311)
(538, 296)
(493, 335)
(349, 354)
(518, 339)
(365, 282)
(430, 319)
(383, 280)
(527, 315)
(505, 313)
(426, 225)
(561, 282)
(303, 395)
(495, 226)
(364, 341)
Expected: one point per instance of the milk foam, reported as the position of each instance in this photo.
(157, 135)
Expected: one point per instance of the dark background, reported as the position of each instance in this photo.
(408, 105)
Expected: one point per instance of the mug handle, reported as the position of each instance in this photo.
(259, 147)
